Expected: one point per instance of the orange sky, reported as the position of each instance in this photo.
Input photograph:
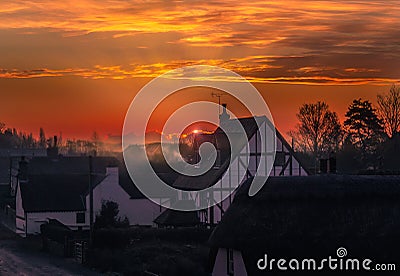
(74, 66)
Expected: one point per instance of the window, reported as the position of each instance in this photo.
(230, 268)
(80, 217)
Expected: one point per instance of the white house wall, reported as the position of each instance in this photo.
(138, 211)
(19, 214)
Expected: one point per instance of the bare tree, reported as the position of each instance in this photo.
(389, 110)
(42, 138)
(2, 127)
(95, 142)
(319, 130)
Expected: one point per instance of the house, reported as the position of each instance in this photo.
(114, 183)
(226, 176)
(58, 188)
(308, 217)
(43, 197)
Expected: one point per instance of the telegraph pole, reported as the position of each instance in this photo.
(10, 180)
(90, 201)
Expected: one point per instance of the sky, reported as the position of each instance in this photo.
(75, 66)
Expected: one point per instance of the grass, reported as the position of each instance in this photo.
(154, 255)
(160, 258)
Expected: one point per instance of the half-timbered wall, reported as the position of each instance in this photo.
(243, 167)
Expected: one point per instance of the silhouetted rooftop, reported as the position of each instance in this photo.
(306, 215)
(56, 193)
(311, 205)
(70, 165)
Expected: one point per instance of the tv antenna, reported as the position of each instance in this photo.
(218, 95)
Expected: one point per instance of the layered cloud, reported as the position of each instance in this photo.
(261, 69)
(317, 42)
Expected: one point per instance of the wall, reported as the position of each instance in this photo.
(19, 213)
(138, 211)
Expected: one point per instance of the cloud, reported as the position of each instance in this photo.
(257, 69)
(266, 41)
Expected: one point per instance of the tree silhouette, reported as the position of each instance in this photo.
(108, 216)
(319, 130)
(364, 128)
(96, 142)
(42, 138)
(389, 110)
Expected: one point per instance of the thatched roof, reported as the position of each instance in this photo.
(311, 205)
(306, 215)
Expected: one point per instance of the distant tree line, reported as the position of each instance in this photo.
(367, 141)
(11, 138)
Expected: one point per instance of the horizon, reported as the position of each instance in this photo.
(76, 68)
(279, 108)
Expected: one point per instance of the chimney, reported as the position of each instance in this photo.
(328, 165)
(52, 150)
(224, 116)
(23, 169)
(323, 166)
(332, 163)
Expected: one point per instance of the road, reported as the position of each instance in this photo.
(17, 259)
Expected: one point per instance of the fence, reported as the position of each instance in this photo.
(80, 250)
